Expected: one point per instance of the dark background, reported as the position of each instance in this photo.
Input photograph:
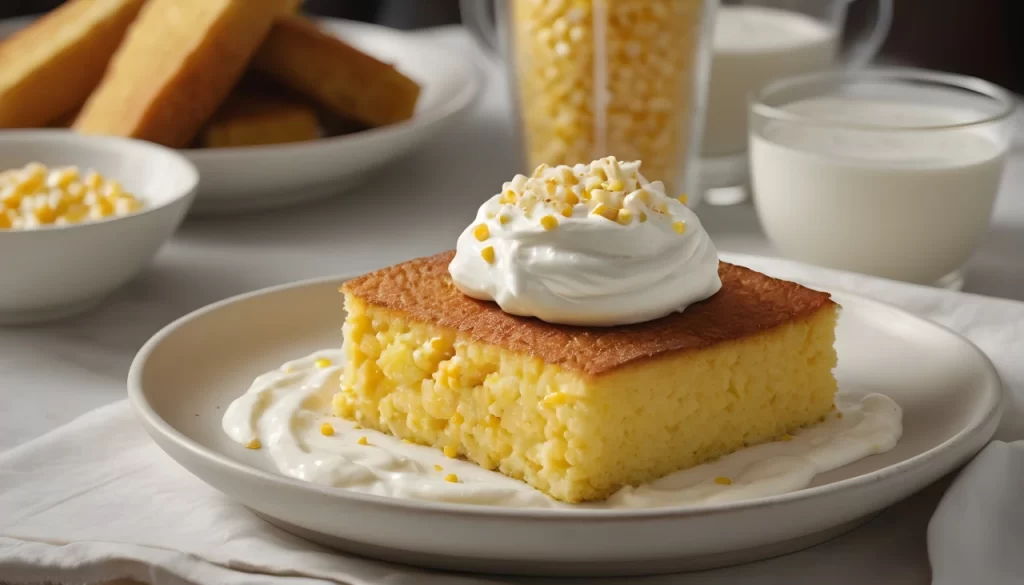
(984, 38)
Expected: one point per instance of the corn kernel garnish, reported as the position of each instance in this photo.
(451, 451)
(567, 211)
(35, 196)
(549, 222)
(451, 478)
(407, 442)
(363, 441)
(326, 429)
(438, 468)
(722, 480)
(253, 444)
(625, 216)
(322, 363)
(684, 198)
(488, 254)
(679, 227)
(503, 219)
(481, 232)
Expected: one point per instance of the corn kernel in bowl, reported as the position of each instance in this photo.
(35, 196)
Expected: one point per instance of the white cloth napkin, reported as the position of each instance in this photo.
(96, 500)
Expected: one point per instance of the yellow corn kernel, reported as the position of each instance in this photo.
(5, 221)
(93, 180)
(326, 429)
(684, 199)
(457, 419)
(625, 216)
(436, 344)
(571, 198)
(556, 399)
(540, 170)
(363, 441)
(605, 212)
(253, 444)
(567, 211)
(549, 222)
(722, 480)
(357, 427)
(488, 254)
(786, 437)
(679, 227)
(451, 451)
(322, 363)
(438, 468)
(451, 478)
(509, 196)
(616, 185)
(407, 442)
(43, 214)
(481, 232)
(642, 217)
(503, 219)
(493, 420)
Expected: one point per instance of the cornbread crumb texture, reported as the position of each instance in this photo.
(347, 81)
(571, 435)
(35, 196)
(748, 304)
(643, 51)
(49, 68)
(176, 65)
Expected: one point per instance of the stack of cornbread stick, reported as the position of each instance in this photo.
(194, 73)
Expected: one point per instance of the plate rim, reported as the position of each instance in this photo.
(994, 403)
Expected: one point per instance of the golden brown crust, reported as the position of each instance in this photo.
(749, 303)
(49, 68)
(340, 77)
(176, 65)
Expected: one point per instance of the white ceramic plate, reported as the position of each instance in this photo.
(245, 179)
(184, 378)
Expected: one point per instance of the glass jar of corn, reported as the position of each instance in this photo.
(593, 78)
(35, 196)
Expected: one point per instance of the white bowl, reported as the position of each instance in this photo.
(56, 271)
(262, 177)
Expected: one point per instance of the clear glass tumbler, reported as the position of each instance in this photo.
(757, 42)
(890, 172)
(592, 78)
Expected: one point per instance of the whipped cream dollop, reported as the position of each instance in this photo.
(593, 244)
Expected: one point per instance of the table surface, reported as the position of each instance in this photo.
(51, 374)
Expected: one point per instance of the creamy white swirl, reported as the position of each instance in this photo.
(591, 244)
(284, 411)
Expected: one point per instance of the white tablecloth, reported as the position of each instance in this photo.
(51, 374)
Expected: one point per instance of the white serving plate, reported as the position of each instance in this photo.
(245, 179)
(185, 376)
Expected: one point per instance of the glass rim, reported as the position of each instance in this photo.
(956, 81)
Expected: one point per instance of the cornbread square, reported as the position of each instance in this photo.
(579, 412)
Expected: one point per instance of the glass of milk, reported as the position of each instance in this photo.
(890, 172)
(756, 42)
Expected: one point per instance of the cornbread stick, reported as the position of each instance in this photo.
(254, 116)
(340, 77)
(48, 69)
(177, 64)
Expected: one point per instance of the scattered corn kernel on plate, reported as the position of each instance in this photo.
(242, 179)
(185, 377)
